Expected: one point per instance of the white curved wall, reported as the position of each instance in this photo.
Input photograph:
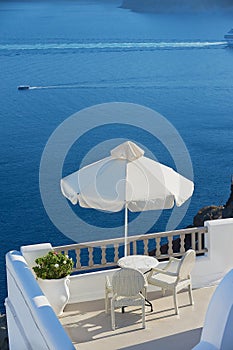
(32, 324)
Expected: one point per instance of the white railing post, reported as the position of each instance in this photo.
(219, 259)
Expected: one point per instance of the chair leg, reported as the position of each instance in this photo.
(190, 294)
(113, 316)
(143, 316)
(163, 291)
(106, 303)
(175, 301)
(144, 293)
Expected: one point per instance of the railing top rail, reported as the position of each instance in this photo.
(113, 241)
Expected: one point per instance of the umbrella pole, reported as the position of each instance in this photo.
(126, 227)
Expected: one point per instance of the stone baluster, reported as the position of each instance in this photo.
(103, 260)
(146, 246)
(170, 249)
(90, 252)
(158, 252)
(199, 241)
(182, 243)
(78, 260)
(115, 253)
(134, 247)
(193, 238)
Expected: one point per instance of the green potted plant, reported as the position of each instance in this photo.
(53, 265)
(52, 271)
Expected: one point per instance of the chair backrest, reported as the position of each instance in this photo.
(128, 282)
(186, 264)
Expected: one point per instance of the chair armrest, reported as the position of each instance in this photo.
(174, 259)
(164, 272)
(171, 260)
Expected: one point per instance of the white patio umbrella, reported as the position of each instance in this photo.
(126, 179)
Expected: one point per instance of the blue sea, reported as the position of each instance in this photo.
(78, 54)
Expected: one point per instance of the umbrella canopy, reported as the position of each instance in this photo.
(126, 179)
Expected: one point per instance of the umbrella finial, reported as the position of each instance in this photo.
(127, 150)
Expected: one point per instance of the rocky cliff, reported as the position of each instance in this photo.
(213, 212)
(175, 5)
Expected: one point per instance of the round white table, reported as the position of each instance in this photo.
(143, 263)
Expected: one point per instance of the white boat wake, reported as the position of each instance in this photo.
(118, 46)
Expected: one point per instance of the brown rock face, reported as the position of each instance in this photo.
(228, 209)
(211, 212)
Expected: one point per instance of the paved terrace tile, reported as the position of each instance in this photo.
(90, 328)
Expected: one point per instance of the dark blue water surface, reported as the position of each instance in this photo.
(89, 52)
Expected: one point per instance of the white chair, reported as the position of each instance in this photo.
(127, 289)
(217, 331)
(175, 276)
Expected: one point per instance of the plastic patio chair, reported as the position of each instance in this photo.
(175, 276)
(128, 288)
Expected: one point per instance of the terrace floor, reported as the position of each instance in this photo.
(90, 328)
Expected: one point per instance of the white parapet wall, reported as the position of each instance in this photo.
(32, 324)
(209, 268)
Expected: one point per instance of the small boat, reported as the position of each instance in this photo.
(229, 37)
(23, 87)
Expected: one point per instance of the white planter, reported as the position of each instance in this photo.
(57, 292)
